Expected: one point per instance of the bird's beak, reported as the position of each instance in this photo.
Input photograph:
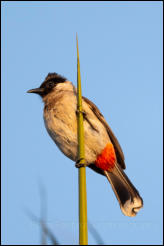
(36, 90)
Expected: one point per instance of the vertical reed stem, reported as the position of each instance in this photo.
(83, 230)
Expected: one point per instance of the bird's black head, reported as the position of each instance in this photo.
(49, 83)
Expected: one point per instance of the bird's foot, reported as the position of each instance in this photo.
(79, 111)
(78, 164)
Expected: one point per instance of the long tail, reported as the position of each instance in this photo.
(127, 195)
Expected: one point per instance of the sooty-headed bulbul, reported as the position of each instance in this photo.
(103, 152)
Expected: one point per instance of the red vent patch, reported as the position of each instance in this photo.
(106, 160)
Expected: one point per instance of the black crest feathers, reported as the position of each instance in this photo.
(57, 78)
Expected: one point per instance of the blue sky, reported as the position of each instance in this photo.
(120, 47)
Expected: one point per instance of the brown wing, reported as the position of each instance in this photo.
(117, 147)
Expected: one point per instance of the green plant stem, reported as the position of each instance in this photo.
(83, 230)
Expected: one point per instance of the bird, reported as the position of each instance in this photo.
(103, 153)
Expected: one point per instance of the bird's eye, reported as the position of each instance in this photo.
(50, 84)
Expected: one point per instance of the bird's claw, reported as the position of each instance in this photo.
(79, 111)
(78, 164)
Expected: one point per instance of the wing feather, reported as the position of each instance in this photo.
(117, 147)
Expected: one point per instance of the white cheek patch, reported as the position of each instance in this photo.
(64, 86)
